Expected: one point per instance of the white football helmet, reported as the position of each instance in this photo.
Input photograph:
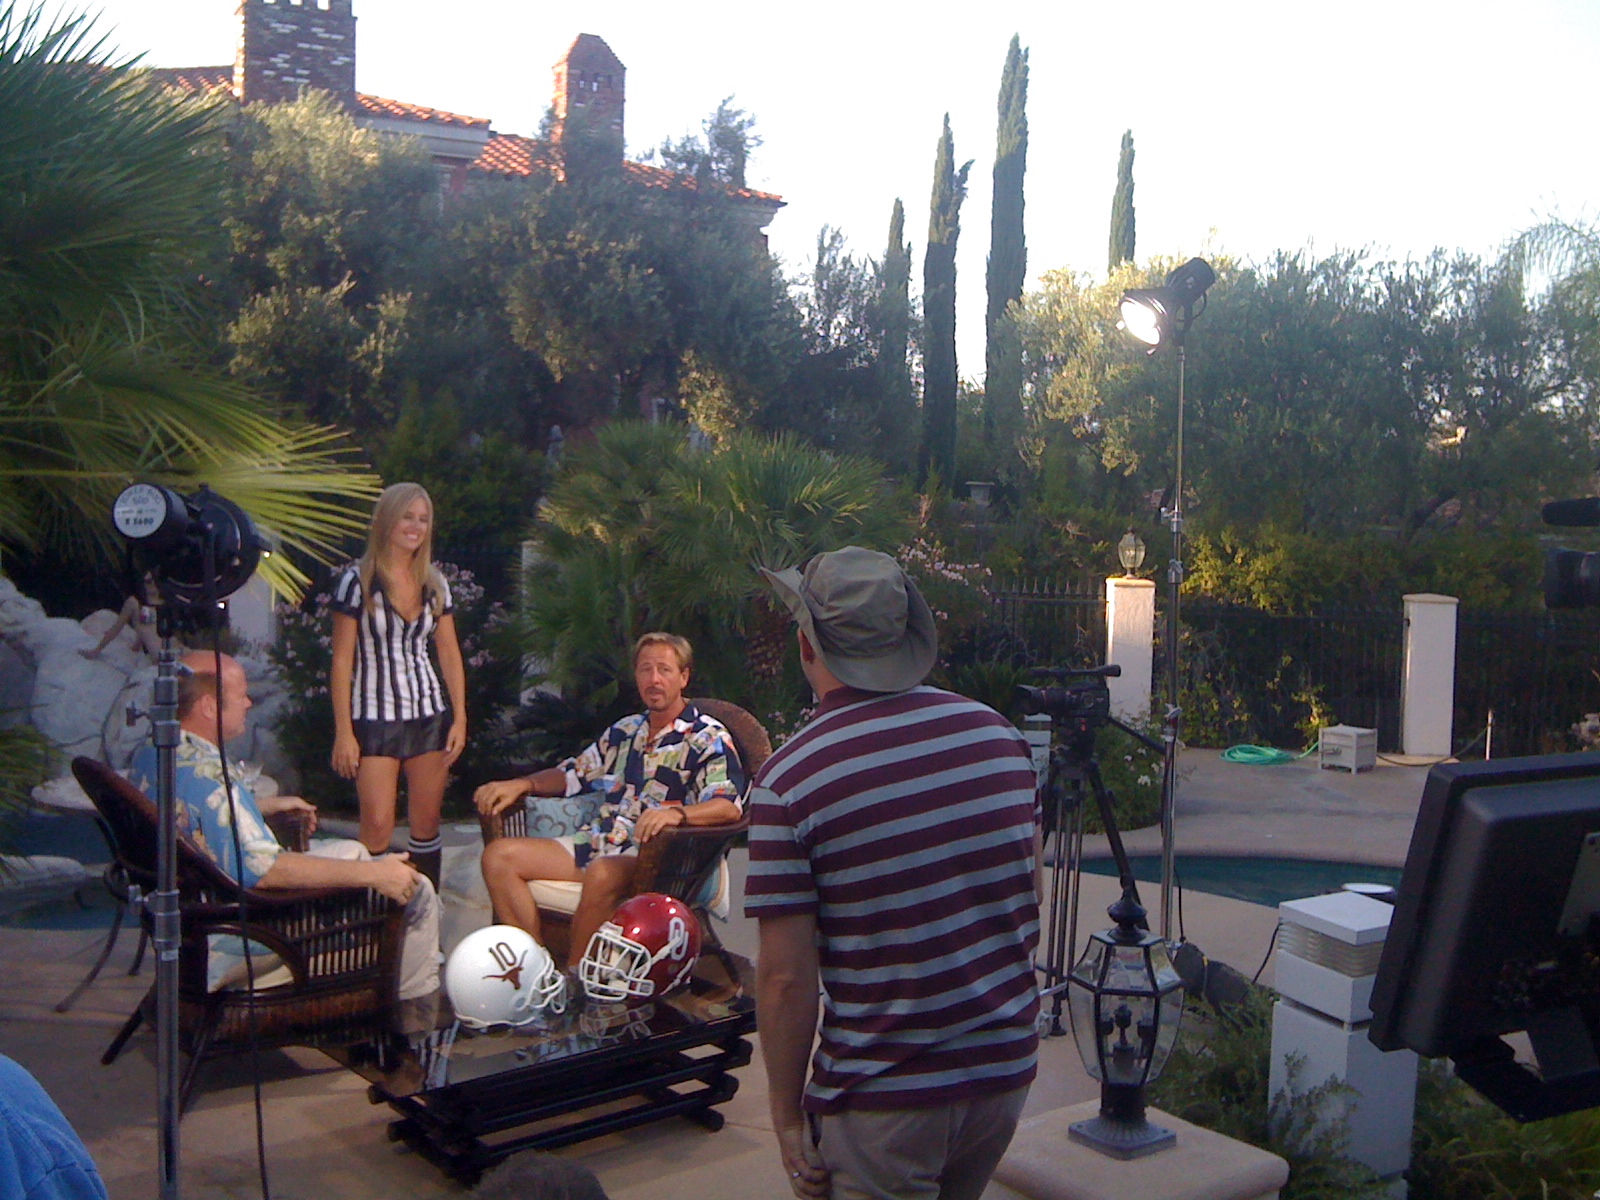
(647, 949)
(501, 976)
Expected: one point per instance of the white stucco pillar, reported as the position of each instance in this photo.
(1428, 682)
(1130, 643)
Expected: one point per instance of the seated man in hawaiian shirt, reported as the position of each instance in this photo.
(255, 857)
(670, 765)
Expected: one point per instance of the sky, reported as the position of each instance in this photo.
(1396, 126)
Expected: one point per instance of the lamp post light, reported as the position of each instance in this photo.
(1126, 1001)
(1156, 316)
(1130, 552)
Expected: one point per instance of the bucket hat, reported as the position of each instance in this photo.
(864, 616)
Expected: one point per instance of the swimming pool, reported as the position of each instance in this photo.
(69, 836)
(1268, 881)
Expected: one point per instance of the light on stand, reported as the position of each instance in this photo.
(200, 549)
(1156, 316)
(1126, 1001)
(1143, 312)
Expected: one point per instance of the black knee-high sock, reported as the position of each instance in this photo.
(425, 857)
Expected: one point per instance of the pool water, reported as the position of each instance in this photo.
(1268, 881)
(66, 834)
(69, 836)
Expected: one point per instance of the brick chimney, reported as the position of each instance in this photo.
(286, 45)
(589, 95)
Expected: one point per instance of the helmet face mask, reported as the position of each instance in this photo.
(647, 949)
(501, 976)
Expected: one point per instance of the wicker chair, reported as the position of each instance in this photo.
(688, 862)
(333, 968)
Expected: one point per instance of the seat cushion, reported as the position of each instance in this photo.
(562, 896)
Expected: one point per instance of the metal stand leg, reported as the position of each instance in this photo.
(105, 953)
(129, 1028)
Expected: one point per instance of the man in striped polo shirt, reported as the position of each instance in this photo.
(894, 846)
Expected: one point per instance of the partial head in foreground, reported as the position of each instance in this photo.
(864, 617)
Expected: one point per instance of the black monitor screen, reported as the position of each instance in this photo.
(1492, 930)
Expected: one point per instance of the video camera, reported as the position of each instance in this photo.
(1084, 697)
(1572, 577)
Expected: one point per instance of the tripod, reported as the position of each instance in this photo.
(1072, 768)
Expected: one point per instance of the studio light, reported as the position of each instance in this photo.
(1145, 314)
(1158, 315)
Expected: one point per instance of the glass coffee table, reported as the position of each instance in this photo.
(469, 1098)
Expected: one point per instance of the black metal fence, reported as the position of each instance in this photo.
(1262, 677)
(1537, 672)
(1051, 622)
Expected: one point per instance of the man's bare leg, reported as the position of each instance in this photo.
(605, 882)
(508, 865)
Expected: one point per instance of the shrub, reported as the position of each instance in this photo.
(1217, 1077)
(1465, 1148)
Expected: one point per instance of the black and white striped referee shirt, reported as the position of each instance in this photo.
(394, 677)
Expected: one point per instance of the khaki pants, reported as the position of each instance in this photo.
(419, 954)
(911, 1154)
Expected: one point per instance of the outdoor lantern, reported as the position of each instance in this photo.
(1126, 1002)
(1155, 315)
(1130, 552)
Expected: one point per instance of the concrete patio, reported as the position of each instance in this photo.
(325, 1140)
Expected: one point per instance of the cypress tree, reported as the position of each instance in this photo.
(938, 451)
(1122, 208)
(1008, 254)
(896, 409)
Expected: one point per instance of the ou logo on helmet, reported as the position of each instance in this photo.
(677, 938)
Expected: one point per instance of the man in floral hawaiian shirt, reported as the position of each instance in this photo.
(670, 765)
(255, 858)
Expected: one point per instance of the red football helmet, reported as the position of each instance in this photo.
(648, 948)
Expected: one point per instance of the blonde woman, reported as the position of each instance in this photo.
(390, 711)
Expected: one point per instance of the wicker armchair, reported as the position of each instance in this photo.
(334, 956)
(683, 862)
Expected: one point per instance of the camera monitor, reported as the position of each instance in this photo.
(1496, 930)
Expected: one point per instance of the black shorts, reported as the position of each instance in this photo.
(402, 739)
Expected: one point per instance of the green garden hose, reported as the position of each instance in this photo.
(1262, 756)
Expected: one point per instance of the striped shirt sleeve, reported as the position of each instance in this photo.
(347, 591)
(449, 605)
(780, 882)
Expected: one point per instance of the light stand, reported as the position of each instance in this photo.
(199, 549)
(163, 903)
(1155, 316)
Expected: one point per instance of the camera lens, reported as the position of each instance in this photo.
(1571, 579)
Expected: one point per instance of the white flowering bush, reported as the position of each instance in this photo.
(956, 591)
(303, 655)
(1133, 773)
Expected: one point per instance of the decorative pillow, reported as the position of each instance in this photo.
(562, 816)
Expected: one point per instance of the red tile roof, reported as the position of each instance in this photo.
(505, 153)
(508, 154)
(200, 80)
(378, 106)
(511, 154)
(196, 80)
